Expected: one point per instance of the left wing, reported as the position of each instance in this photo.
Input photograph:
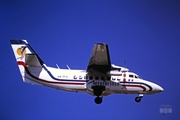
(100, 60)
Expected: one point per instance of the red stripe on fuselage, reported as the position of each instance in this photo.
(144, 89)
(28, 72)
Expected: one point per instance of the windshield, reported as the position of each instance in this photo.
(136, 76)
(139, 77)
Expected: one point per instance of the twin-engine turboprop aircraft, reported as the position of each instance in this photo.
(101, 78)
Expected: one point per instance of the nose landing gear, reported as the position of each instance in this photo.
(138, 99)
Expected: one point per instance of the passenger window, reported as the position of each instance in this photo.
(108, 78)
(136, 76)
(90, 77)
(80, 77)
(75, 77)
(86, 77)
(102, 78)
(96, 78)
(131, 76)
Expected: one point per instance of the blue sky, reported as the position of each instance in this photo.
(145, 33)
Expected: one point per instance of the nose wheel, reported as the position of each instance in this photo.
(138, 99)
(98, 100)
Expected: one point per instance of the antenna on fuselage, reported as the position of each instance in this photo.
(68, 67)
(58, 66)
(125, 69)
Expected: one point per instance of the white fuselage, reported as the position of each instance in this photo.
(80, 81)
(100, 79)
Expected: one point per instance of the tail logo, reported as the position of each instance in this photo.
(21, 51)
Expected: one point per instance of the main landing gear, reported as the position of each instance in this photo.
(98, 100)
(97, 90)
(138, 99)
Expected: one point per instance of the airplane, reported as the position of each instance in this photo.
(100, 79)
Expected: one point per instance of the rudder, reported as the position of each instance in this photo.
(24, 55)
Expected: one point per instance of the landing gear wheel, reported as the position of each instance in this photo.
(98, 100)
(137, 99)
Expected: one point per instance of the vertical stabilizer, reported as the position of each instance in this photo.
(24, 55)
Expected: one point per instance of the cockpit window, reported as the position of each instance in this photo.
(138, 77)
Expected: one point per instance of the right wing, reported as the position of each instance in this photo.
(100, 60)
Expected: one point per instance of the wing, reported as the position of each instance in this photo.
(100, 59)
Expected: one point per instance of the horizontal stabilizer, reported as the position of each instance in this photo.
(32, 60)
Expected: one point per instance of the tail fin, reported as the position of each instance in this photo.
(25, 55)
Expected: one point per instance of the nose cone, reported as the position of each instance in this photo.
(157, 88)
